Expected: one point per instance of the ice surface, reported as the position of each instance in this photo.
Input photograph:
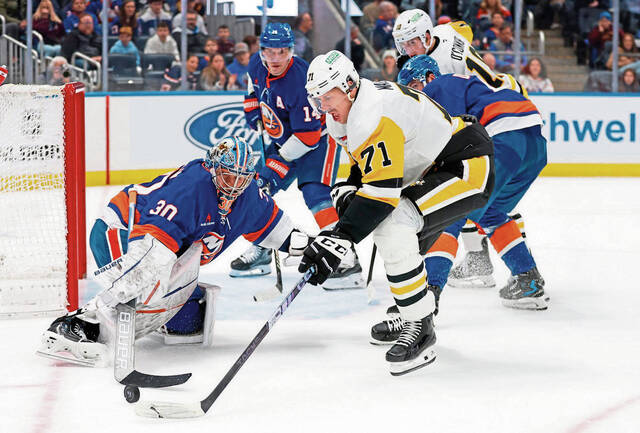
(571, 369)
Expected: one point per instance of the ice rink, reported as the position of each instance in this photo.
(571, 369)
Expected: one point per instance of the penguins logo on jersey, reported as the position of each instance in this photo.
(272, 124)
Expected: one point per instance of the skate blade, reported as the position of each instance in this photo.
(68, 357)
(538, 304)
(254, 272)
(475, 282)
(350, 282)
(422, 360)
(381, 343)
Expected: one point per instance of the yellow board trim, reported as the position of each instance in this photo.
(410, 287)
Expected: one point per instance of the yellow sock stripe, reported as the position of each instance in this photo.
(403, 290)
(388, 200)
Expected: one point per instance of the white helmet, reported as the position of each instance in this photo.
(328, 71)
(414, 23)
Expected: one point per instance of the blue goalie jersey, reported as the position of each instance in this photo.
(181, 207)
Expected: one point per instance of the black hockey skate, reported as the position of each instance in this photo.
(525, 291)
(388, 331)
(474, 271)
(414, 347)
(73, 339)
(254, 262)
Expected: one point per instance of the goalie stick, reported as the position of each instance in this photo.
(159, 409)
(274, 291)
(124, 360)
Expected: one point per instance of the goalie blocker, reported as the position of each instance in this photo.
(183, 219)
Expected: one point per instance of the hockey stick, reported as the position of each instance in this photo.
(371, 290)
(271, 292)
(158, 409)
(124, 360)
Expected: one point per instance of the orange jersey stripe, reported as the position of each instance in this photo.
(326, 216)
(251, 237)
(121, 201)
(327, 171)
(310, 138)
(157, 233)
(504, 235)
(445, 243)
(502, 107)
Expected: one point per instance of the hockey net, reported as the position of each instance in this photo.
(42, 203)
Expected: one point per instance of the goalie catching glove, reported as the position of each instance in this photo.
(326, 252)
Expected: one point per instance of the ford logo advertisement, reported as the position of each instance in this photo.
(208, 126)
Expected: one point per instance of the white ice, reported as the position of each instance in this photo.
(571, 369)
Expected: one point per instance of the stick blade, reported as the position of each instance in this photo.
(165, 409)
(267, 294)
(143, 380)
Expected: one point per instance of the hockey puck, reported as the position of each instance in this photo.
(131, 393)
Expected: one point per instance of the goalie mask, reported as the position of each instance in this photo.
(232, 164)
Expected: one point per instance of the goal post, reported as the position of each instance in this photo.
(42, 198)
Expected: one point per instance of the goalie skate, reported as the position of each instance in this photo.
(72, 340)
(475, 270)
(254, 262)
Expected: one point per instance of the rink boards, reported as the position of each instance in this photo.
(131, 137)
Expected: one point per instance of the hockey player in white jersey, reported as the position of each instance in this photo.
(450, 45)
(414, 171)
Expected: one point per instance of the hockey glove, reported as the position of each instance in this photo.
(298, 242)
(252, 112)
(341, 195)
(274, 171)
(325, 253)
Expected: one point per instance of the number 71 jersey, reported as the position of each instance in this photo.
(455, 55)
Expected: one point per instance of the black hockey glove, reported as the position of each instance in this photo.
(325, 252)
(341, 195)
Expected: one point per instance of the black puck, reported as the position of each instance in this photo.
(131, 393)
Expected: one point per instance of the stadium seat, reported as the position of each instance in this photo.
(155, 62)
(123, 73)
(140, 42)
(111, 40)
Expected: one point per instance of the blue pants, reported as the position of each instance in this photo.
(519, 158)
(107, 244)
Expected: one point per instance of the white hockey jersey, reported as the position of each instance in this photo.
(394, 134)
(452, 50)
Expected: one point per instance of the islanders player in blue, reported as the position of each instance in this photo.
(183, 219)
(300, 148)
(514, 123)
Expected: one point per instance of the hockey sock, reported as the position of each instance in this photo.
(471, 237)
(440, 258)
(510, 245)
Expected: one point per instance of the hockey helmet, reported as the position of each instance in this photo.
(328, 71)
(276, 35)
(232, 164)
(418, 68)
(413, 23)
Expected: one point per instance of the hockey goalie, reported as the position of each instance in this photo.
(182, 220)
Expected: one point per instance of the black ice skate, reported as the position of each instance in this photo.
(387, 331)
(346, 278)
(525, 291)
(253, 262)
(475, 270)
(75, 340)
(414, 347)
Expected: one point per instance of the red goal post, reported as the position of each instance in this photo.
(42, 198)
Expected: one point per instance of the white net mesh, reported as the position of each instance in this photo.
(33, 223)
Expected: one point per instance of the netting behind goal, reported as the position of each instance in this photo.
(41, 197)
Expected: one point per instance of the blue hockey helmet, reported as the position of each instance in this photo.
(418, 68)
(232, 164)
(276, 35)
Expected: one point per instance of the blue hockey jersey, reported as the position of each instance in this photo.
(181, 207)
(283, 102)
(498, 111)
